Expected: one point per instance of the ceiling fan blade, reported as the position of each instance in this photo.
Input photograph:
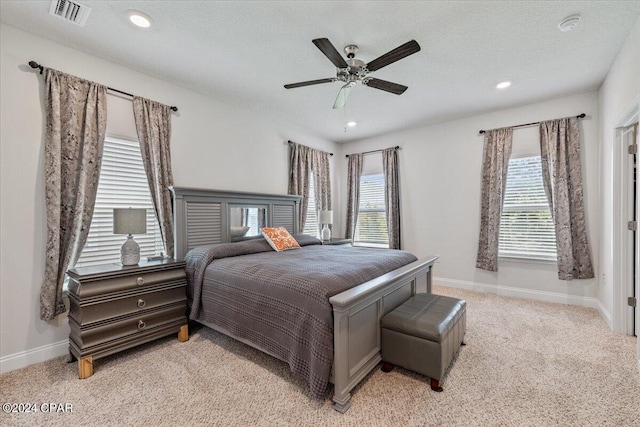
(309, 83)
(341, 99)
(385, 85)
(330, 52)
(409, 48)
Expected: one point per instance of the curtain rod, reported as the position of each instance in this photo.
(581, 116)
(291, 142)
(34, 65)
(397, 147)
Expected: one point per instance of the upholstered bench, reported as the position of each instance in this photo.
(423, 334)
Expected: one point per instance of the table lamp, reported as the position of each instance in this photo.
(130, 221)
(326, 218)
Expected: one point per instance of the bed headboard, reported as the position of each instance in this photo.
(201, 216)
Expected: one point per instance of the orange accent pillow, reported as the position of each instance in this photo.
(279, 238)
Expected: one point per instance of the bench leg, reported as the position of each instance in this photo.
(387, 367)
(435, 385)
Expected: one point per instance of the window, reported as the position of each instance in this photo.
(311, 225)
(371, 227)
(123, 183)
(526, 225)
(253, 223)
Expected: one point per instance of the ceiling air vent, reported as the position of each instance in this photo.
(70, 11)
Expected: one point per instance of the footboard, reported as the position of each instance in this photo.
(356, 323)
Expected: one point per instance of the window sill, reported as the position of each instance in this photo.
(522, 259)
(371, 245)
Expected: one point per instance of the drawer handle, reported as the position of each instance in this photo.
(140, 281)
(141, 324)
(141, 303)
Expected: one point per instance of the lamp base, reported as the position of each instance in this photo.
(326, 233)
(130, 252)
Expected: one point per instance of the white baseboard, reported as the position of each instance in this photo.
(605, 314)
(533, 294)
(35, 355)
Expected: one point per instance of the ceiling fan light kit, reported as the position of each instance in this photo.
(353, 71)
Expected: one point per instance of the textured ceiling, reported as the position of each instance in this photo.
(242, 53)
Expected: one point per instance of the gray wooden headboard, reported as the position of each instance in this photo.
(201, 216)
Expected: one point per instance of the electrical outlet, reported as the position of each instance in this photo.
(604, 279)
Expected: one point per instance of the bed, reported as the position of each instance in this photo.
(224, 290)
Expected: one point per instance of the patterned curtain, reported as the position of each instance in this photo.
(308, 163)
(153, 126)
(300, 165)
(322, 178)
(244, 216)
(562, 177)
(262, 218)
(495, 162)
(76, 117)
(353, 190)
(392, 195)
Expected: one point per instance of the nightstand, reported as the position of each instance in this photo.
(113, 308)
(337, 241)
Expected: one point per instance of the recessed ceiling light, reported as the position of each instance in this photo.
(503, 85)
(139, 19)
(569, 23)
(351, 124)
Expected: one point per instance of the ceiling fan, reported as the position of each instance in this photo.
(354, 71)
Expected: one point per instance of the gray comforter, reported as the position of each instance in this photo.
(280, 300)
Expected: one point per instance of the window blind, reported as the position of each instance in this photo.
(311, 225)
(123, 183)
(526, 225)
(371, 226)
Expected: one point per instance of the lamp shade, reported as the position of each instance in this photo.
(326, 217)
(129, 221)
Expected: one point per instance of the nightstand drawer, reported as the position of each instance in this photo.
(140, 280)
(87, 337)
(98, 310)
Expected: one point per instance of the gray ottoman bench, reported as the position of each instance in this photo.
(423, 334)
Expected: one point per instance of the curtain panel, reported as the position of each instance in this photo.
(495, 163)
(76, 117)
(322, 178)
(353, 193)
(300, 170)
(392, 195)
(153, 125)
(308, 163)
(562, 178)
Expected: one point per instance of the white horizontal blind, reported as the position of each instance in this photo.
(123, 184)
(371, 226)
(526, 225)
(252, 223)
(311, 225)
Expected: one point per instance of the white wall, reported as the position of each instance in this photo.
(440, 169)
(620, 90)
(214, 145)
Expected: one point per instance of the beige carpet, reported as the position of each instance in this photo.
(527, 363)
